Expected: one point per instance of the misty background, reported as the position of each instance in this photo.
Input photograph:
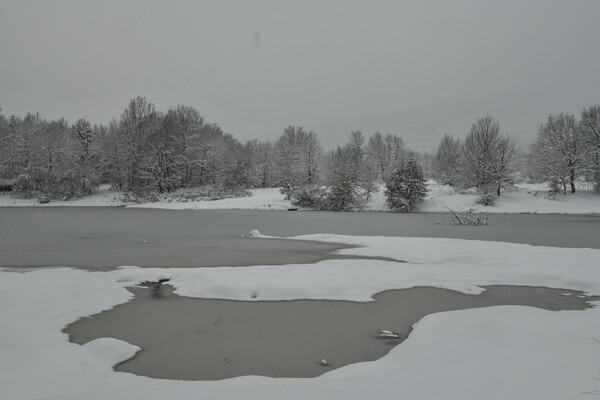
(415, 69)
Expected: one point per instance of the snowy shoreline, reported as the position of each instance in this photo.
(525, 199)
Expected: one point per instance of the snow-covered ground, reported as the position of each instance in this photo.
(103, 198)
(493, 353)
(526, 198)
(261, 199)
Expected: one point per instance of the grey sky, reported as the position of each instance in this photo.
(419, 69)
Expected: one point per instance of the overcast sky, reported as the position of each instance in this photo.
(418, 69)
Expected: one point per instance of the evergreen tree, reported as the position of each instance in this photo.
(343, 197)
(406, 188)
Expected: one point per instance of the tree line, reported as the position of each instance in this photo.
(565, 152)
(146, 150)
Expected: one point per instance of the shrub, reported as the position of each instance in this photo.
(554, 189)
(406, 187)
(201, 193)
(488, 199)
(152, 198)
(24, 186)
(288, 188)
(64, 186)
(43, 199)
(344, 196)
(312, 197)
(72, 185)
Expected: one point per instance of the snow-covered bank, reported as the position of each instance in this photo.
(497, 353)
(261, 199)
(104, 198)
(526, 198)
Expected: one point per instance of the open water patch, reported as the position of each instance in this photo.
(203, 339)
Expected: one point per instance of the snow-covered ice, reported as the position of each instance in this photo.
(495, 353)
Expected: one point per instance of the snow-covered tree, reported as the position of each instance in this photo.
(344, 194)
(209, 155)
(559, 152)
(83, 134)
(5, 142)
(298, 155)
(86, 145)
(162, 165)
(113, 156)
(487, 157)
(10, 163)
(385, 153)
(589, 128)
(350, 178)
(259, 156)
(187, 135)
(406, 188)
(447, 161)
(239, 175)
(364, 173)
(265, 164)
(136, 125)
(48, 156)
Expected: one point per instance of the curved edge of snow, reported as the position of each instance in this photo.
(110, 351)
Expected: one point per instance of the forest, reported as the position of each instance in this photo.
(147, 151)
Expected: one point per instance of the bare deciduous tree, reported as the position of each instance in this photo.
(446, 162)
(589, 127)
(486, 157)
(559, 152)
(298, 155)
(136, 125)
(386, 153)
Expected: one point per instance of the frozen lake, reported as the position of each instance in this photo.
(185, 338)
(102, 238)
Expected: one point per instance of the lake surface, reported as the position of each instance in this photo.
(185, 338)
(101, 238)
